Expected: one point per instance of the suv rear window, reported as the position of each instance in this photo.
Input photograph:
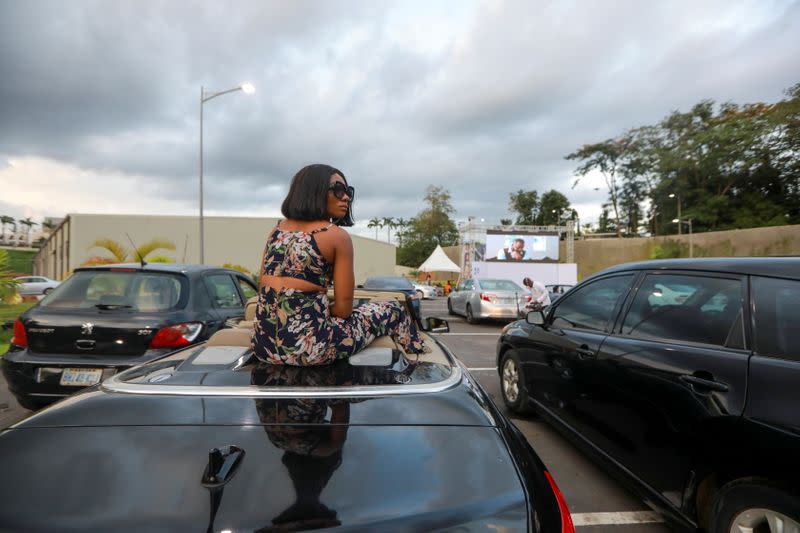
(777, 317)
(139, 291)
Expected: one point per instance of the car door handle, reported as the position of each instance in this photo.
(222, 465)
(585, 353)
(704, 383)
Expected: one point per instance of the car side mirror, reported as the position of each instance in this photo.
(535, 317)
(359, 286)
(434, 324)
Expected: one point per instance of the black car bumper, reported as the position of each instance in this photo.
(35, 379)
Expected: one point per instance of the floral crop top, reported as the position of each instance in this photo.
(295, 254)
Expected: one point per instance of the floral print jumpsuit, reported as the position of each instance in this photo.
(295, 327)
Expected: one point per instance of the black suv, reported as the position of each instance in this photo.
(682, 376)
(104, 319)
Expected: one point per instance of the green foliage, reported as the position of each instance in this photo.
(431, 227)
(669, 249)
(121, 254)
(20, 261)
(160, 259)
(7, 283)
(731, 165)
(531, 210)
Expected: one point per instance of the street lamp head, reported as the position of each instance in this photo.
(675, 220)
(672, 195)
(248, 88)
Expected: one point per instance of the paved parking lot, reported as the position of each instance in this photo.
(596, 501)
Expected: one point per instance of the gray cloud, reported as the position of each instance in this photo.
(494, 107)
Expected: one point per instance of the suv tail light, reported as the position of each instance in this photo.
(566, 519)
(20, 338)
(177, 335)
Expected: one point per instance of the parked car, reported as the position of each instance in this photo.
(425, 292)
(682, 377)
(557, 291)
(395, 283)
(35, 285)
(209, 439)
(487, 298)
(108, 318)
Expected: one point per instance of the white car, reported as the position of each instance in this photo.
(425, 292)
(35, 285)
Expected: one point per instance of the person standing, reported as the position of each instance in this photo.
(540, 298)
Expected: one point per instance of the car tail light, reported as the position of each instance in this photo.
(176, 335)
(20, 338)
(487, 297)
(566, 519)
(528, 298)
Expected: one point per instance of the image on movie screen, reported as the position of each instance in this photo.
(521, 247)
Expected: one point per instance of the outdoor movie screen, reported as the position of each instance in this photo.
(521, 246)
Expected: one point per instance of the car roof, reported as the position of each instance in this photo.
(785, 267)
(160, 267)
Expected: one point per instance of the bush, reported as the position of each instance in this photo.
(669, 249)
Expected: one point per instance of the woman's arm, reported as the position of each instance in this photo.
(343, 276)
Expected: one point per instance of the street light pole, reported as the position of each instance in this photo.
(689, 223)
(673, 195)
(246, 88)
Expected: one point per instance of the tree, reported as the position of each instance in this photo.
(374, 223)
(431, 227)
(121, 254)
(5, 219)
(388, 223)
(606, 158)
(553, 206)
(506, 221)
(28, 223)
(401, 224)
(526, 206)
(49, 225)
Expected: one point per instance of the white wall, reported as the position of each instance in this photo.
(545, 273)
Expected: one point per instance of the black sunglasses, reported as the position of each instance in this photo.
(340, 190)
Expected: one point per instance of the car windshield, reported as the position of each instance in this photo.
(109, 289)
(499, 285)
(388, 283)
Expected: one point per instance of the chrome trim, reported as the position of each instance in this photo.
(115, 384)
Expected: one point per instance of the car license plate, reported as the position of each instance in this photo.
(81, 377)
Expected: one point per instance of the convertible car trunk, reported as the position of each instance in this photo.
(364, 477)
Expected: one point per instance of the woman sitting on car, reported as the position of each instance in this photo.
(295, 323)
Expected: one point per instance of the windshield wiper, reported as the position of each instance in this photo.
(107, 307)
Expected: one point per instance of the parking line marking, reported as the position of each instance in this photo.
(483, 369)
(616, 519)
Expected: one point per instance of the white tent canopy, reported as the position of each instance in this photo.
(439, 262)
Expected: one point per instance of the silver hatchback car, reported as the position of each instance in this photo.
(487, 298)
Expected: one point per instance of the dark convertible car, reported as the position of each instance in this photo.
(209, 439)
(682, 376)
(108, 318)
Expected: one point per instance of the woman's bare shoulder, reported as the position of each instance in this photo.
(340, 234)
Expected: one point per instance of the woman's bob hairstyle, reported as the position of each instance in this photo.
(307, 198)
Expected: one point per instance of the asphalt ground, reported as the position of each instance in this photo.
(597, 502)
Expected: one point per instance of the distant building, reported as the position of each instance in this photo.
(236, 240)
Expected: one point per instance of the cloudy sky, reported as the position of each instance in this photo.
(99, 101)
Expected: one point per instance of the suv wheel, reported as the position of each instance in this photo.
(754, 505)
(512, 384)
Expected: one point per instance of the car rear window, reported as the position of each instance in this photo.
(388, 283)
(108, 289)
(499, 285)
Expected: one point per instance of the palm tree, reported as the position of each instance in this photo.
(49, 225)
(402, 224)
(5, 219)
(28, 223)
(375, 223)
(121, 254)
(388, 223)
